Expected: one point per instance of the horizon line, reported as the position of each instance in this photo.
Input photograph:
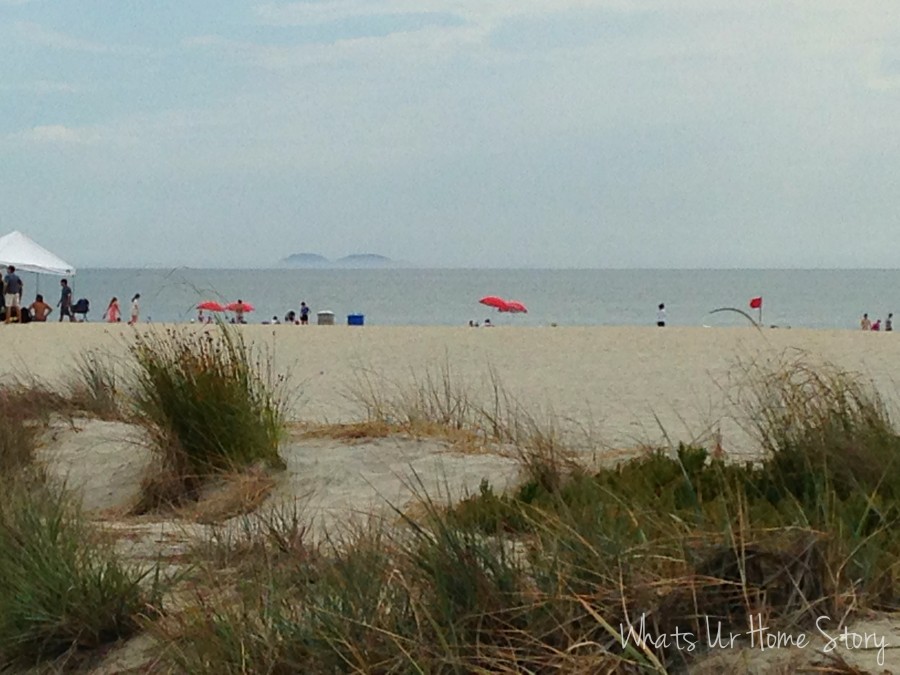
(410, 267)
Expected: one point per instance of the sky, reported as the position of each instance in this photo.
(454, 133)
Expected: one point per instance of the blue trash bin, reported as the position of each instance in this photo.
(356, 319)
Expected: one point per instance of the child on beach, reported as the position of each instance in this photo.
(112, 313)
(135, 309)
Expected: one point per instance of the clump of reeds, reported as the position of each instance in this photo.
(439, 403)
(814, 420)
(63, 591)
(433, 399)
(210, 403)
(95, 386)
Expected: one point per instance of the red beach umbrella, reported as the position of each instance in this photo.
(239, 307)
(516, 307)
(211, 306)
(496, 302)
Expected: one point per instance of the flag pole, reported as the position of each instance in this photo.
(760, 314)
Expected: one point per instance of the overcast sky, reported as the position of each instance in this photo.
(550, 133)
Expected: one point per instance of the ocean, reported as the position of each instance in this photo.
(791, 298)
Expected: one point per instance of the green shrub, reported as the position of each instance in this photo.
(210, 403)
(63, 591)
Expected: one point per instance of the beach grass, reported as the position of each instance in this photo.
(64, 591)
(209, 403)
(562, 573)
(95, 386)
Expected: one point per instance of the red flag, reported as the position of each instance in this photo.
(756, 303)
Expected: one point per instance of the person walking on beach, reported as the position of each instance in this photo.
(65, 301)
(661, 315)
(112, 313)
(889, 323)
(12, 294)
(864, 323)
(135, 309)
(304, 314)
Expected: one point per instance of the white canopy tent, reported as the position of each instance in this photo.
(19, 250)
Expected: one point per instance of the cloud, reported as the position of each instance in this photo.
(36, 34)
(46, 37)
(50, 87)
(475, 11)
(57, 134)
(44, 87)
(47, 87)
(426, 44)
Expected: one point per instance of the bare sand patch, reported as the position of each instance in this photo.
(103, 462)
(336, 482)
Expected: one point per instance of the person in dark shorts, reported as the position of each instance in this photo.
(304, 314)
(65, 301)
(661, 316)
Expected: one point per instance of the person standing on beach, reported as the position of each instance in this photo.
(889, 323)
(12, 294)
(304, 314)
(65, 301)
(112, 313)
(865, 323)
(135, 309)
(661, 315)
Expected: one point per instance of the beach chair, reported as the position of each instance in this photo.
(81, 307)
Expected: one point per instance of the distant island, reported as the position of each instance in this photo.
(314, 260)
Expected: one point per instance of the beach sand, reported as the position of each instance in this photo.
(625, 386)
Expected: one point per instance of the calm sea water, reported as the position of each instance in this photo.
(798, 298)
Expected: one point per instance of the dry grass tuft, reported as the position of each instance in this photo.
(231, 495)
(459, 440)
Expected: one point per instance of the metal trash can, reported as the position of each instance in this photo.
(356, 319)
(325, 318)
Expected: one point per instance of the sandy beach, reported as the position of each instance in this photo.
(613, 388)
(614, 383)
